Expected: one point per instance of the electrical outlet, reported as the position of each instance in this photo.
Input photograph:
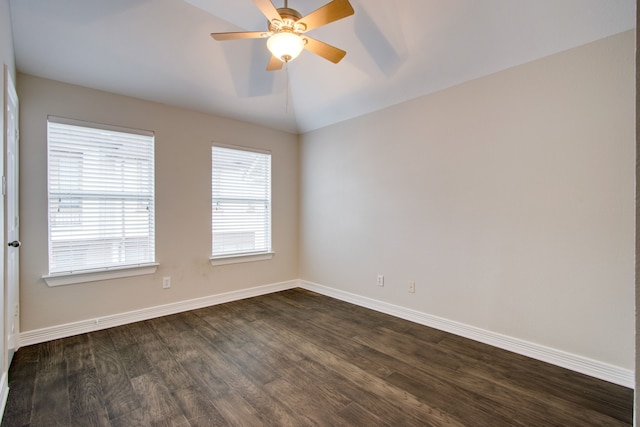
(380, 280)
(166, 282)
(412, 287)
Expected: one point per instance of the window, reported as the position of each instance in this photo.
(101, 198)
(241, 204)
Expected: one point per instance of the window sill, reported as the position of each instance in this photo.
(235, 259)
(73, 278)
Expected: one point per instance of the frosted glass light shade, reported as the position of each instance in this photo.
(285, 46)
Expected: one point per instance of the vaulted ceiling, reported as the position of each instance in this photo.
(160, 50)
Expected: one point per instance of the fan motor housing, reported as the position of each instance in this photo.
(288, 13)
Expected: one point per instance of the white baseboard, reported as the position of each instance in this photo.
(594, 368)
(89, 325)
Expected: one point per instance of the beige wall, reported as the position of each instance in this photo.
(183, 205)
(508, 199)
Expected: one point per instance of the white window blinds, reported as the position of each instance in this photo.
(101, 197)
(241, 201)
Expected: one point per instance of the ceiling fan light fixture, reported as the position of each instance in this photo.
(285, 45)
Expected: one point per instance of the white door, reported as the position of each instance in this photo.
(12, 220)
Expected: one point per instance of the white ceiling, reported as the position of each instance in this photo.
(160, 50)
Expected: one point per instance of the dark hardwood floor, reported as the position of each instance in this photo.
(296, 358)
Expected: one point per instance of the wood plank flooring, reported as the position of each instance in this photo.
(295, 358)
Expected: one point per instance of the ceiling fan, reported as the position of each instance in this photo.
(285, 31)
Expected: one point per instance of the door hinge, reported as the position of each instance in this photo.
(4, 185)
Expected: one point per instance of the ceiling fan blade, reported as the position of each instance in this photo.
(268, 9)
(239, 35)
(328, 52)
(274, 64)
(330, 12)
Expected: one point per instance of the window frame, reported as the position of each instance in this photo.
(243, 256)
(111, 271)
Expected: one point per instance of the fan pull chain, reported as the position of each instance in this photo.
(286, 102)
